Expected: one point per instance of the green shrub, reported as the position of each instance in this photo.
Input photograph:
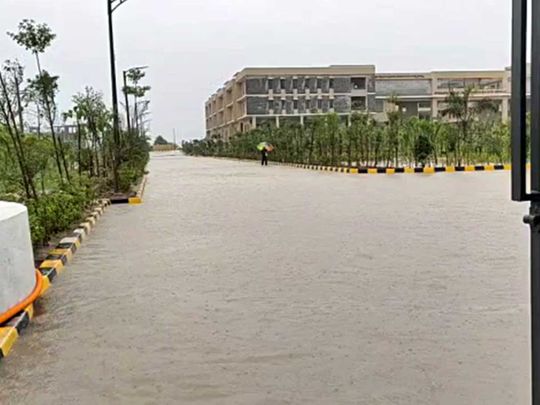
(55, 212)
(127, 177)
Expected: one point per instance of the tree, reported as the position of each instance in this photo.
(355, 135)
(36, 38)
(38, 152)
(46, 86)
(333, 136)
(393, 130)
(16, 71)
(465, 112)
(422, 149)
(160, 141)
(94, 114)
(407, 141)
(8, 118)
(134, 77)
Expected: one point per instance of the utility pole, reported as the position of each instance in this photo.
(116, 133)
(520, 10)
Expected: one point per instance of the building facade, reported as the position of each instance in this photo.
(261, 96)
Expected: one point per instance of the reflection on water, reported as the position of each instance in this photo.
(236, 284)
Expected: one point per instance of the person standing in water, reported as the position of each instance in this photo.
(264, 157)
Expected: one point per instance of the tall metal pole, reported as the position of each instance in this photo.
(126, 95)
(534, 216)
(519, 157)
(533, 219)
(116, 127)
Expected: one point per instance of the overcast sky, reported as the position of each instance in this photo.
(193, 46)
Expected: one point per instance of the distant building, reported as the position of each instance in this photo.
(257, 96)
(68, 133)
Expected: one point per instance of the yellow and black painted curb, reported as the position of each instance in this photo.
(11, 330)
(406, 170)
(135, 200)
(54, 264)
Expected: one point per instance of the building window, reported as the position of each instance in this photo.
(306, 83)
(295, 83)
(270, 84)
(359, 83)
(295, 104)
(450, 84)
(319, 104)
(331, 104)
(331, 83)
(270, 105)
(358, 103)
(319, 83)
(282, 84)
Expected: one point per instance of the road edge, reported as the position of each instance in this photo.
(54, 264)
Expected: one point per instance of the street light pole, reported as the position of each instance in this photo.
(112, 5)
(116, 129)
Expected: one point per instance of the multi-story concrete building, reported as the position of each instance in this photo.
(257, 96)
(260, 95)
(67, 133)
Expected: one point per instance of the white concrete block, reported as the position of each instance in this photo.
(17, 272)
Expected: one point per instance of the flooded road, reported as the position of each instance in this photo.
(236, 284)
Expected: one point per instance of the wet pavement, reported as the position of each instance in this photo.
(236, 284)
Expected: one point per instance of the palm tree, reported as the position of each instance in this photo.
(465, 112)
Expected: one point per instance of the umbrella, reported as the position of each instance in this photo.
(265, 145)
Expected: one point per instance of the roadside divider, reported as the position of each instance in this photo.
(54, 264)
(405, 170)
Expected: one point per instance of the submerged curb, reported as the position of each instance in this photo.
(403, 170)
(11, 330)
(389, 170)
(137, 199)
(53, 265)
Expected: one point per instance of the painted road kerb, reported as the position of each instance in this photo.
(53, 265)
(403, 170)
(137, 199)
(390, 170)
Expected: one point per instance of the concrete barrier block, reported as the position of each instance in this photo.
(17, 272)
(72, 240)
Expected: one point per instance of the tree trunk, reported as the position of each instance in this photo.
(79, 135)
(349, 151)
(19, 103)
(51, 123)
(136, 111)
(38, 120)
(7, 111)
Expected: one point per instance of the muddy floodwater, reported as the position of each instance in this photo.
(236, 284)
